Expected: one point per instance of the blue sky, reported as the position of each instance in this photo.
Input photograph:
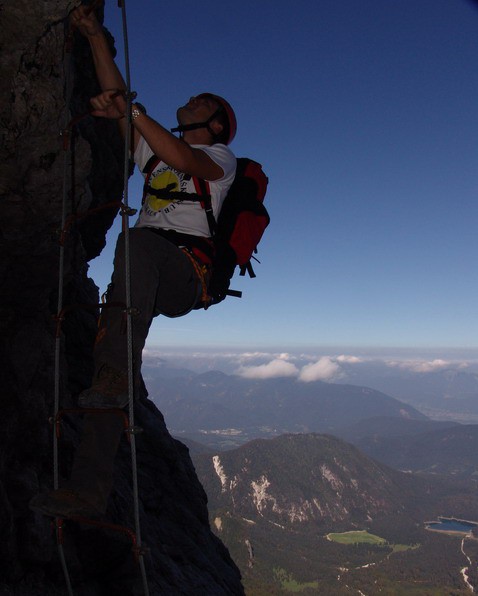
(363, 114)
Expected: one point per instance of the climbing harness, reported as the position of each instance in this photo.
(66, 221)
(202, 273)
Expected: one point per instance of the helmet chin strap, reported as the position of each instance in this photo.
(186, 127)
(196, 125)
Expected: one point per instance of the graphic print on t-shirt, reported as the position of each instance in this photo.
(167, 180)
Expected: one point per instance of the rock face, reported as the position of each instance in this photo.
(184, 556)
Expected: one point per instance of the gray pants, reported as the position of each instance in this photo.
(163, 281)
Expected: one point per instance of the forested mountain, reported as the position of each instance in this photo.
(275, 502)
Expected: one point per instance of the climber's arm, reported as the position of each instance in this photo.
(108, 74)
(175, 152)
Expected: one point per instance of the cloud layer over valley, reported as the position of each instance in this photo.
(312, 366)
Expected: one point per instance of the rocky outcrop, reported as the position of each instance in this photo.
(184, 556)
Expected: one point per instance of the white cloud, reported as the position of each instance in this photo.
(349, 359)
(273, 369)
(262, 356)
(420, 366)
(252, 355)
(322, 370)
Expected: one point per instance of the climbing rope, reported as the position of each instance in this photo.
(129, 325)
(67, 68)
(66, 221)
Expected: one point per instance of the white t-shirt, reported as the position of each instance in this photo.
(187, 217)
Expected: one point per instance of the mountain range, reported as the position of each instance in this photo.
(227, 410)
(446, 393)
(214, 411)
(418, 445)
(438, 387)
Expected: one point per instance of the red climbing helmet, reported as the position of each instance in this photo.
(224, 113)
(225, 107)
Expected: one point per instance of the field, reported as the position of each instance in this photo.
(356, 537)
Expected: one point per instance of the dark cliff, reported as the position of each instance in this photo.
(185, 557)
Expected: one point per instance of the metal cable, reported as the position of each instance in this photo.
(67, 66)
(66, 165)
(129, 328)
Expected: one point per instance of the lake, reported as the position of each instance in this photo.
(445, 524)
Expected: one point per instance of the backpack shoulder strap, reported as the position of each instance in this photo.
(150, 165)
(202, 188)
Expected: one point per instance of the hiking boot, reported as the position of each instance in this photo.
(109, 390)
(63, 503)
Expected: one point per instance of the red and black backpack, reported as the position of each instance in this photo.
(236, 233)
